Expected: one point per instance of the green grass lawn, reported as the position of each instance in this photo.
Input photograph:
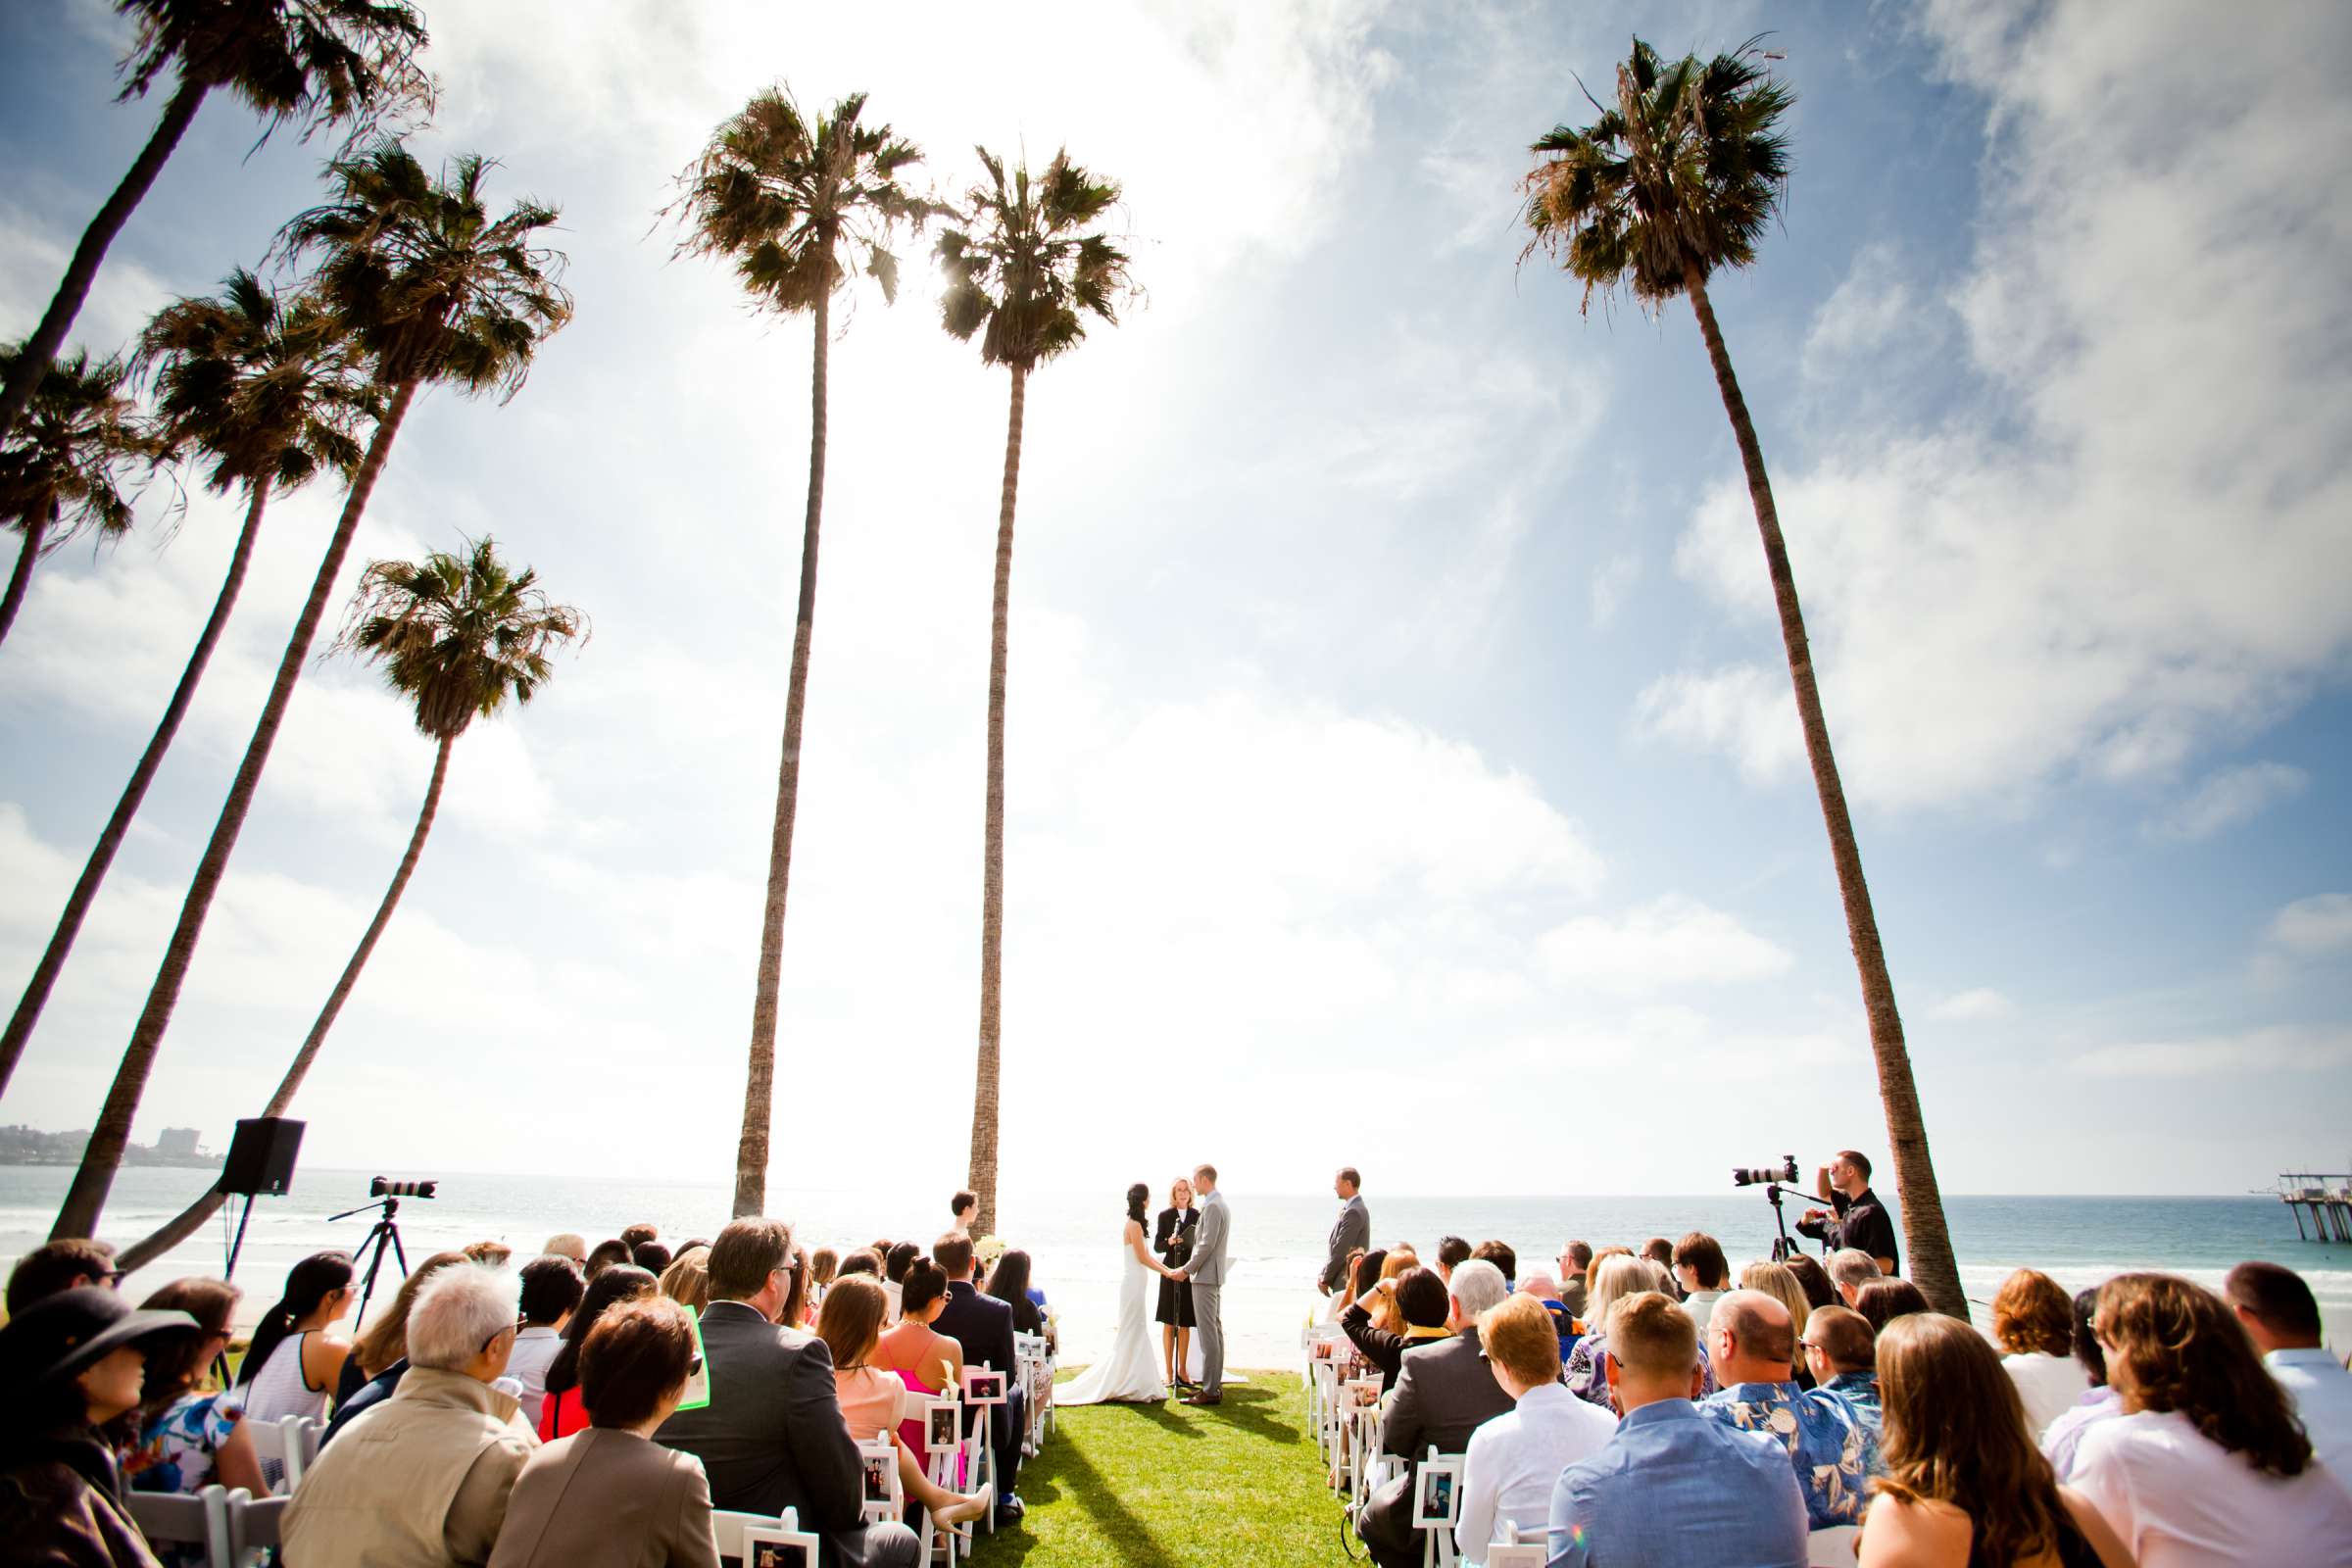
(1172, 1487)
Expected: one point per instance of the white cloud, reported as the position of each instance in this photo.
(2131, 545)
(1971, 1007)
(2231, 796)
(1871, 310)
(1667, 943)
(1611, 583)
(1743, 711)
(2319, 924)
(2279, 1049)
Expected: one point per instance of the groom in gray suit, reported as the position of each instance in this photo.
(1207, 1272)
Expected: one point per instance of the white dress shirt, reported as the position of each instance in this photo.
(1700, 1305)
(1514, 1461)
(2048, 1384)
(534, 1353)
(2180, 1500)
(2323, 1394)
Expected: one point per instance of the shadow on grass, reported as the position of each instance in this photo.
(1044, 1479)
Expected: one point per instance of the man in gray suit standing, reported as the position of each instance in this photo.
(1207, 1272)
(1353, 1230)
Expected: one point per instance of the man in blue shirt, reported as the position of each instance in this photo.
(1841, 1353)
(1673, 1488)
(1829, 1450)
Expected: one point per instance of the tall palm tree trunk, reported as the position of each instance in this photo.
(118, 826)
(1932, 1265)
(205, 1208)
(759, 1083)
(86, 1198)
(80, 272)
(22, 578)
(983, 1179)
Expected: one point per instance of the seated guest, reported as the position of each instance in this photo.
(850, 1325)
(687, 1279)
(185, 1439)
(1443, 1392)
(1009, 1282)
(1452, 1254)
(1515, 1459)
(1829, 1449)
(2064, 1435)
(1544, 1289)
(569, 1244)
(1672, 1487)
(1615, 1275)
(651, 1256)
(379, 1357)
(609, 1493)
(56, 1266)
(2283, 1320)
(1964, 1485)
(823, 1264)
(1704, 1272)
(1841, 1353)
(861, 1261)
(983, 1326)
(551, 1292)
(2207, 1465)
(1851, 1268)
(1777, 1281)
(795, 1313)
(1596, 1319)
(895, 1261)
(490, 1254)
(1364, 1276)
(637, 1234)
(1815, 1279)
(1883, 1301)
(1499, 1255)
(1419, 1297)
(921, 1357)
(774, 1438)
(2034, 1322)
(606, 1255)
(1659, 1250)
(1576, 1264)
(422, 1480)
(563, 1405)
(72, 1361)
(296, 1356)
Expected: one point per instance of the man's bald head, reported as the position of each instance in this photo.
(1755, 1338)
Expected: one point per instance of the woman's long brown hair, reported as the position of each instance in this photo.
(850, 1320)
(2181, 1348)
(1955, 1433)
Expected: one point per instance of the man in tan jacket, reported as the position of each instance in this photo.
(422, 1480)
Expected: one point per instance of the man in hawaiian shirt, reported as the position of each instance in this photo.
(1833, 1452)
(1841, 1353)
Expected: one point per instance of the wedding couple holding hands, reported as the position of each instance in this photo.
(1194, 1233)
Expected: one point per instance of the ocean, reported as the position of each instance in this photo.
(1277, 1247)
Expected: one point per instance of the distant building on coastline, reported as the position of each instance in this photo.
(179, 1147)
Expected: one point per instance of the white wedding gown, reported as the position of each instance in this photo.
(1130, 1370)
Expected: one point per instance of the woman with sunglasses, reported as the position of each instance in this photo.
(181, 1438)
(609, 1493)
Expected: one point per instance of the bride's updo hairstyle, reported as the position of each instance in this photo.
(1137, 1196)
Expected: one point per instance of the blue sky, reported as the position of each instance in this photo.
(1400, 771)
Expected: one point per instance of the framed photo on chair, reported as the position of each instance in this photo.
(983, 1386)
(942, 1428)
(877, 1479)
(1437, 1499)
(764, 1546)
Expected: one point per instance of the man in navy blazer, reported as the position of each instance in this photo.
(983, 1326)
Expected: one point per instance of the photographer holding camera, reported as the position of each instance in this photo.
(1860, 1220)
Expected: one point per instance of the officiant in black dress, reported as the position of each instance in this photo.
(1172, 1240)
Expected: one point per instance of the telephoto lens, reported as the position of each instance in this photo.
(1755, 1175)
(386, 1187)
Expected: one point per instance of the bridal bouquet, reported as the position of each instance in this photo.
(987, 1249)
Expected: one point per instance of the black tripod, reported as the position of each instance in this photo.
(1786, 1247)
(385, 1233)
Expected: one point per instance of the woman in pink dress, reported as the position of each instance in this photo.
(850, 1325)
(924, 1359)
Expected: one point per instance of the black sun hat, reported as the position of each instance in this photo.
(60, 1335)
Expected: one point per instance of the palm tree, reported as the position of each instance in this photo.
(1022, 275)
(1681, 177)
(63, 472)
(265, 390)
(315, 62)
(799, 208)
(457, 635)
(433, 289)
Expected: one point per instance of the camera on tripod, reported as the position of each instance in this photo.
(1755, 1175)
(386, 1187)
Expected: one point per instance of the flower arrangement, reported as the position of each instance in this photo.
(987, 1249)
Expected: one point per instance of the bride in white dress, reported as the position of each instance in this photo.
(1129, 1373)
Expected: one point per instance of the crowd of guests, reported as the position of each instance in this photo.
(522, 1417)
(1636, 1408)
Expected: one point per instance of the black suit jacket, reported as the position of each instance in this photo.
(983, 1326)
(1445, 1393)
(1172, 1236)
(772, 1436)
(1353, 1230)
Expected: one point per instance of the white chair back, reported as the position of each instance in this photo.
(1437, 1531)
(286, 1447)
(255, 1525)
(190, 1519)
(727, 1527)
(1833, 1546)
(1510, 1551)
(879, 1459)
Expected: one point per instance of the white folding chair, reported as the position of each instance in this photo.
(286, 1447)
(192, 1519)
(939, 1463)
(892, 1503)
(727, 1527)
(1833, 1545)
(256, 1526)
(1512, 1552)
(1437, 1531)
